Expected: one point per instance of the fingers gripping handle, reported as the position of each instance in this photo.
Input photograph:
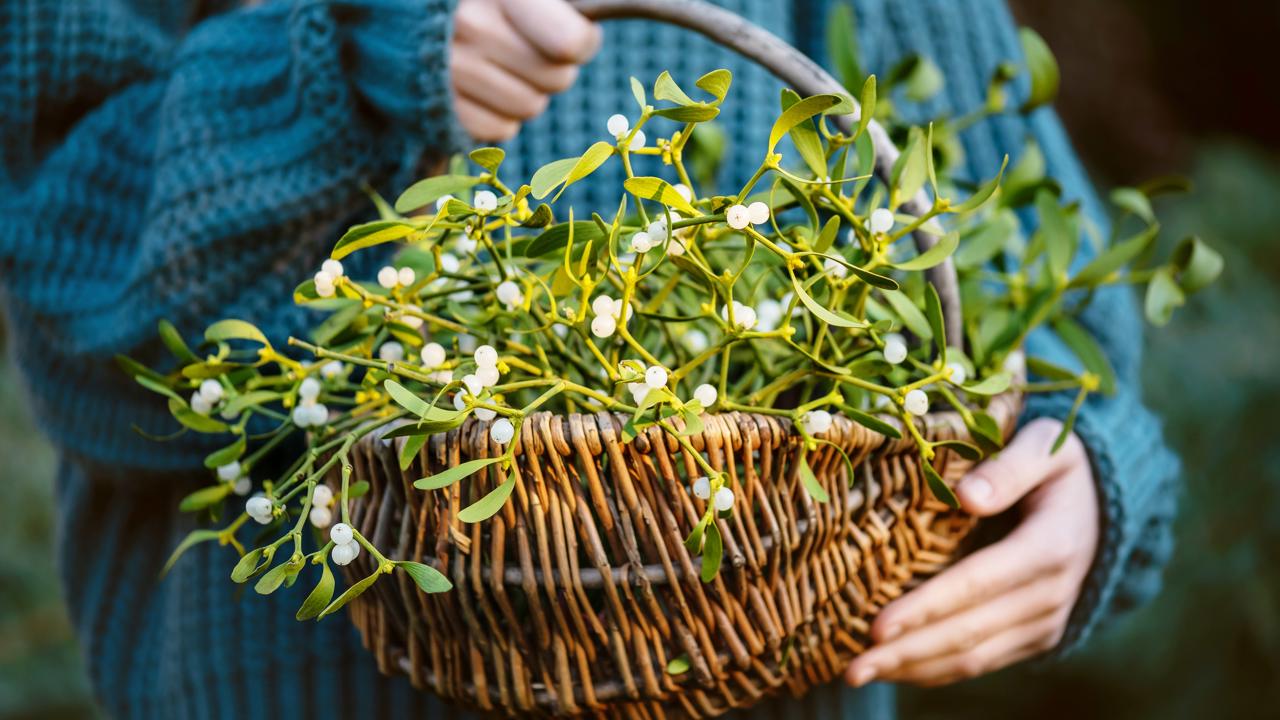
(805, 77)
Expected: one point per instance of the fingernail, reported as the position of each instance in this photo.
(975, 488)
(863, 676)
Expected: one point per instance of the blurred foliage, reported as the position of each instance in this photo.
(40, 672)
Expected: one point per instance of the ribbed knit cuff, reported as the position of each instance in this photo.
(1136, 477)
(399, 63)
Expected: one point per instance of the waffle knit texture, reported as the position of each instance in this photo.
(193, 161)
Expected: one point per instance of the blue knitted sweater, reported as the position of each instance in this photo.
(193, 160)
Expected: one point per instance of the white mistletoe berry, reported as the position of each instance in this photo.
(344, 554)
(958, 373)
(656, 377)
(488, 375)
(657, 231)
(433, 355)
(473, 384)
(332, 369)
(603, 326)
(388, 277)
(706, 394)
(758, 212)
(502, 431)
(881, 220)
(485, 356)
(641, 242)
(309, 389)
(702, 488)
(341, 534)
(683, 191)
(391, 351)
(639, 391)
(769, 314)
(449, 263)
(895, 348)
(744, 316)
(816, 421)
(259, 508)
(637, 140)
(916, 402)
(412, 321)
(406, 276)
(617, 125)
(835, 268)
(486, 201)
(321, 517)
(317, 414)
(199, 405)
(459, 402)
(738, 217)
(485, 414)
(324, 284)
(508, 293)
(211, 391)
(442, 201)
(230, 471)
(322, 496)
(466, 244)
(695, 340)
(301, 416)
(333, 267)
(603, 305)
(724, 500)
(243, 486)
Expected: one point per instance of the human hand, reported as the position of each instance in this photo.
(508, 57)
(1008, 601)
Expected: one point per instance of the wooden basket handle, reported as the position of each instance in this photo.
(805, 77)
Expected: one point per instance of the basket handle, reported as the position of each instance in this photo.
(805, 77)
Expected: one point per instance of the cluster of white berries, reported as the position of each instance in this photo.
(881, 220)
(609, 312)
(474, 384)
(618, 126)
(233, 473)
(389, 277)
(916, 402)
(895, 348)
(744, 316)
(260, 508)
(740, 216)
(330, 271)
(655, 378)
(509, 294)
(345, 546)
(321, 499)
(723, 497)
(308, 412)
(207, 397)
(816, 422)
(657, 234)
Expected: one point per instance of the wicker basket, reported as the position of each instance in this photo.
(577, 595)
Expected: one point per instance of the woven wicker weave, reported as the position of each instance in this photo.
(574, 598)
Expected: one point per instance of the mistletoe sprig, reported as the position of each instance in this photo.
(792, 296)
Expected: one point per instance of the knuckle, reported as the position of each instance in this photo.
(562, 78)
(966, 639)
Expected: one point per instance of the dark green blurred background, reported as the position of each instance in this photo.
(1149, 87)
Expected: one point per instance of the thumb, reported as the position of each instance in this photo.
(1024, 464)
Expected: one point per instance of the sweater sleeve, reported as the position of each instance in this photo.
(1136, 473)
(193, 178)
